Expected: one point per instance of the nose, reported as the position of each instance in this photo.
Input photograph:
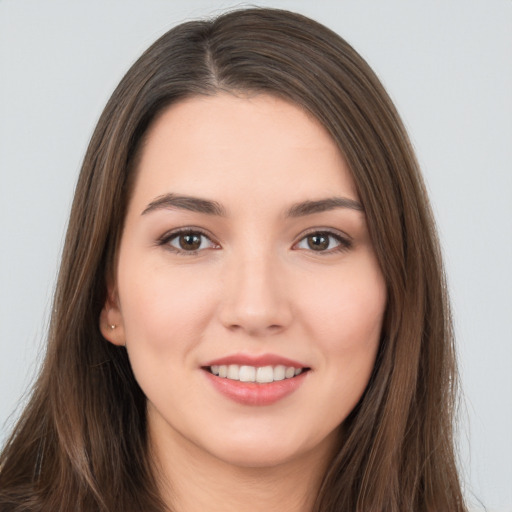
(255, 297)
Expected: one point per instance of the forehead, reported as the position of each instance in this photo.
(240, 147)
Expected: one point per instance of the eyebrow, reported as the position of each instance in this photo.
(322, 205)
(193, 204)
(208, 207)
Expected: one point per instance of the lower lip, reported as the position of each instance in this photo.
(251, 393)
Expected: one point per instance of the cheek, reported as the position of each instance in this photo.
(345, 320)
(345, 312)
(163, 308)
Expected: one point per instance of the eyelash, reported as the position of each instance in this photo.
(344, 243)
(168, 237)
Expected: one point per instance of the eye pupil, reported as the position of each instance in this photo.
(318, 242)
(190, 241)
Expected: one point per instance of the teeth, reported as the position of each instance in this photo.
(279, 372)
(247, 373)
(260, 374)
(265, 374)
(289, 372)
(234, 372)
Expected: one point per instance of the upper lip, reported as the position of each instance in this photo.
(255, 360)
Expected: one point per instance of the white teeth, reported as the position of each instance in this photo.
(247, 373)
(289, 372)
(260, 374)
(279, 372)
(265, 374)
(233, 372)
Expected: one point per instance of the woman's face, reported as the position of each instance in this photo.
(245, 253)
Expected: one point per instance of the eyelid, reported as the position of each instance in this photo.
(345, 241)
(173, 233)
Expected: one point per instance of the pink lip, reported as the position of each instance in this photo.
(252, 393)
(251, 360)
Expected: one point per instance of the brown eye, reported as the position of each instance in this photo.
(324, 242)
(318, 241)
(189, 241)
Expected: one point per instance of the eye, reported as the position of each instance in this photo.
(323, 241)
(188, 241)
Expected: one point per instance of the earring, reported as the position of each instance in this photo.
(113, 326)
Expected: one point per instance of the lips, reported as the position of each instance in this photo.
(255, 380)
(261, 360)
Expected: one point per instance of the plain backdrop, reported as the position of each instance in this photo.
(448, 66)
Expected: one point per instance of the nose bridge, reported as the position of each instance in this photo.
(255, 299)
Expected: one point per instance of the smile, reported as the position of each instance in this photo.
(255, 380)
(260, 375)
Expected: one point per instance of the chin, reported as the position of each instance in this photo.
(257, 458)
(268, 451)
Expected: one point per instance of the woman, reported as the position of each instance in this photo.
(251, 310)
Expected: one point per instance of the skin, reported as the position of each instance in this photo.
(255, 286)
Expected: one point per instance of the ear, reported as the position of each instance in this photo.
(111, 320)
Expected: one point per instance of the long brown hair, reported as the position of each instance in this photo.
(81, 442)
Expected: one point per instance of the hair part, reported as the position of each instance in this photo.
(75, 444)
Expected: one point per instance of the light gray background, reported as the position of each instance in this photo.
(447, 65)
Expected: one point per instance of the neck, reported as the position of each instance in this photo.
(191, 480)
